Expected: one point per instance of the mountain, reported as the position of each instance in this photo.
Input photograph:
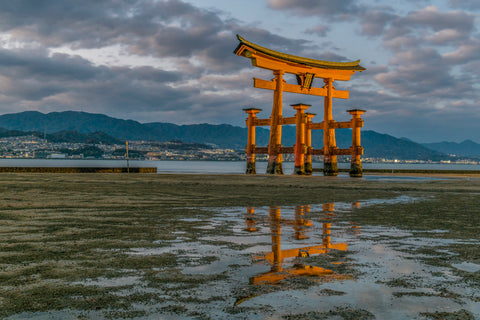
(65, 136)
(376, 145)
(227, 136)
(81, 122)
(77, 137)
(379, 145)
(467, 148)
(223, 135)
(16, 133)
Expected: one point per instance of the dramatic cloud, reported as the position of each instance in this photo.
(374, 21)
(465, 4)
(315, 7)
(162, 29)
(196, 42)
(428, 25)
(433, 18)
(38, 80)
(172, 60)
(320, 30)
(464, 53)
(416, 72)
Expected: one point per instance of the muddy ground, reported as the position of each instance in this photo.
(148, 246)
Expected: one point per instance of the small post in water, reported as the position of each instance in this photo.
(128, 164)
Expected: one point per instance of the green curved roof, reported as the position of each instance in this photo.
(352, 65)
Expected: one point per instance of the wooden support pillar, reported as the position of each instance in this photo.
(329, 144)
(250, 149)
(326, 240)
(274, 156)
(250, 219)
(300, 223)
(300, 138)
(328, 209)
(308, 143)
(275, 219)
(356, 164)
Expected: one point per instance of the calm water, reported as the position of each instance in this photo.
(223, 167)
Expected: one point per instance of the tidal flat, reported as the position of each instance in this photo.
(153, 246)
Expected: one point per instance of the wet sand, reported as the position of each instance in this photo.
(123, 246)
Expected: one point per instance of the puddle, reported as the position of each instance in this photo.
(402, 179)
(296, 260)
(397, 200)
(467, 266)
(50, 315)
(111, 282)
(307, 261)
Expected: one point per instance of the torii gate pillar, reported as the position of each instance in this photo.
(250, 149)
(308, 144)
(300, 121)
(329, 145)
(357, 150)
(275, 158)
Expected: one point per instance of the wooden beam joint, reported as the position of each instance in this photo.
(293, 88)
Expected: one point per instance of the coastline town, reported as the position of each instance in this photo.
(34, 147)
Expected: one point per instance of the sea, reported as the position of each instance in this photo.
(218, 167)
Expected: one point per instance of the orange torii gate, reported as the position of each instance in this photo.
(305, 70)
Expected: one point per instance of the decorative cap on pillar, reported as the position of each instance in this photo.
(252, 110)
(301, 106)
(357, 111)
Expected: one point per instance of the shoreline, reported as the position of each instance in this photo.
(366, 172)
(78, 169)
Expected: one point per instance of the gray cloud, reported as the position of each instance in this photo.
(374, 21)
(320, 30)
(416, 72)
(432, 17)
(431, 74)
(466, 52)
(465, 4)
(428, 25)
(316, 7)
(423, 65)
(42, 81)
(162, 29)
(172, 29)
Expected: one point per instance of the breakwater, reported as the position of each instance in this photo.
(426, 171)
(80, 169)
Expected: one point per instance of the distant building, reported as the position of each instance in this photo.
(57, 156)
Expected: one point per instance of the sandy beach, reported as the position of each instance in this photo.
(112, 246)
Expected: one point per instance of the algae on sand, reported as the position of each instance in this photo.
(69, 241)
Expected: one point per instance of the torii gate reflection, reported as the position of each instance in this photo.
(276, 257)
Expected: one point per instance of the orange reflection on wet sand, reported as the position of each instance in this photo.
(279, 269)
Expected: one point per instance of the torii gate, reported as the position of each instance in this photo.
(305, 70)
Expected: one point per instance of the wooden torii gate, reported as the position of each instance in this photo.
(305, 70)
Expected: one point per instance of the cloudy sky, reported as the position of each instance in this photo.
(172, 61)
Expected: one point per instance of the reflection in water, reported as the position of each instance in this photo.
(287, 263)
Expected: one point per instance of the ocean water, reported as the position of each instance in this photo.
(221, 167)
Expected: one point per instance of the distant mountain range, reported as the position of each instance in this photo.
(64, 136)
(467, 148)
(70, 125)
